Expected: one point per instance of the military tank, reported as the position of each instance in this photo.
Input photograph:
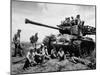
(71, 38)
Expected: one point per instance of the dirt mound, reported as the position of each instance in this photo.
(52, 65)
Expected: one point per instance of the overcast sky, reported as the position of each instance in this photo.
(46, 13)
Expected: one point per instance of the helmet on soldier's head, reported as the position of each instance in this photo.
(66, 18)
(31, 49)
(78, 16)
(19, 30)
(72, 17)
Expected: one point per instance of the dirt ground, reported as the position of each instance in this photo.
(52, 65)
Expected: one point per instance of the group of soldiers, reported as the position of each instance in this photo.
(74, 25)
(71, 21)
(40, 55)
(35, 55)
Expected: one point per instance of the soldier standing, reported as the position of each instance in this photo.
(72, 21)
(34, 39)
(79, 23)
(77, 19)
(16, 41)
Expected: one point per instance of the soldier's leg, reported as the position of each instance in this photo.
(26, 65)
(19, 50)
(42, 58)
(35, 44)
(15, 51)
(83, 23)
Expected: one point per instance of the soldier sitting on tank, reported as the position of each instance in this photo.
(53, 53)
(61, 54)
(78, 20)
(30, 59)
(80, 25)
(67, 21)
(73, 21)
(16, 40)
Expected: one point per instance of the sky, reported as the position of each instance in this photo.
(47, 13)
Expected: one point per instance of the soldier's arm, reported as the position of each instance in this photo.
(27, 56)
(62, 54)
(14, 38)
(58, 54)
(47, 52)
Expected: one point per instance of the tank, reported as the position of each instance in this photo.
(72, 39)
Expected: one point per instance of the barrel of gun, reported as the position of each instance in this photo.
(27, 21)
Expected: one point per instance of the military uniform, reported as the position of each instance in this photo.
(61, 55)
(77, 20)
(39, 57)
(80, 24)
(30, 59)
(16, 41)
(53, 53)
(67, 21)
(73, 21)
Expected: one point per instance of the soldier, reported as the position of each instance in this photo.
(16, 40)
(34, 39)
(30, 59)
(39, 56)
(80, 24)
(67, 21)
(81, 27)
(72, 21)
(53, 53)
(77, 19)
(61, 54)
(45, 52)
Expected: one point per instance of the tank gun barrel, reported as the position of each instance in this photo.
(27, 21)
